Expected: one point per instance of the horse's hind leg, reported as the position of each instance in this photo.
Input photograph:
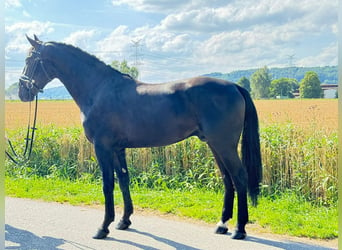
(228, 200)
(233, 173)
(123, 176)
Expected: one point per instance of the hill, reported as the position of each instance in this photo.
(56, 93)
(327, 75)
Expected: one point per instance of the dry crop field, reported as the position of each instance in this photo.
(59, 113)
(320, 113)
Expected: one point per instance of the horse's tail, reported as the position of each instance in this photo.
(250, 147)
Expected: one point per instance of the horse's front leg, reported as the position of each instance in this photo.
(105, 159)
(123, 176)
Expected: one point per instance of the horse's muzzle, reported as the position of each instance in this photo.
(25, 94)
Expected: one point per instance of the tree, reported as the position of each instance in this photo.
(124, 68)
(283, 87)
(260, 83)
(310, 86)
(244, 82)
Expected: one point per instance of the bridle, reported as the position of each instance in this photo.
(28, 82)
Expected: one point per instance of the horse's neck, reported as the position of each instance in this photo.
(78, 78)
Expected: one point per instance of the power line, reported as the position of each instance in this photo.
(290, 58)
(137, 54)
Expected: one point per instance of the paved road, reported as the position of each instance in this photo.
(50, 226)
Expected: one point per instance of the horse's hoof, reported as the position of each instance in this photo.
(221, 230)
(239, 235)
(123, 224)
(101, 234)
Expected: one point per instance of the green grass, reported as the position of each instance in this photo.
(285, 214)
(290, 214)
(78, 192)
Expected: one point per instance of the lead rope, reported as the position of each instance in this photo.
(29, 139)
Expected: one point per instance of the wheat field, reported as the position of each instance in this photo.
(322, 113)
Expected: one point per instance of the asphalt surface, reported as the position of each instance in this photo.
(49, 226)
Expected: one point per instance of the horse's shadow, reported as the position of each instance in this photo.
(25, 240)
(171, 243)
(286, 244)
(260, 241)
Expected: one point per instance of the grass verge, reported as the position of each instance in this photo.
(286, 214)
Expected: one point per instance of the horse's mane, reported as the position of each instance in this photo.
(91, 59)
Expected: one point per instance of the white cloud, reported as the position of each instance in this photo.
(223, 51)
(151, 39)
(17, 45)
(81, 38)
(177, 43)
(166, 6)
(117, 42)
(237, 15)
(26, 14)
(15, 34)
(11, 76)
(221, 36)
(157, 39)
(326, 56)
(12, 3)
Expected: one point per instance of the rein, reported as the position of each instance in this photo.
(29, 83)
(29, 139)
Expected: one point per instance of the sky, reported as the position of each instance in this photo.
(176, 39)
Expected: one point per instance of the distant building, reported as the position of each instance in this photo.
(329, 91)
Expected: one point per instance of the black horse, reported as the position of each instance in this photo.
(119, 112)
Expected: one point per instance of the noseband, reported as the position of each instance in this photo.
(27, 81)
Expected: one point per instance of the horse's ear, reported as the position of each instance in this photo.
(34, 43)
(36, 38)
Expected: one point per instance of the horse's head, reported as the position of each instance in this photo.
(34, 76)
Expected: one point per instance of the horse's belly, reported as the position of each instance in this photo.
(160, 135)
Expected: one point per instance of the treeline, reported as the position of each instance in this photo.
(326, 74)
(262, 86)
